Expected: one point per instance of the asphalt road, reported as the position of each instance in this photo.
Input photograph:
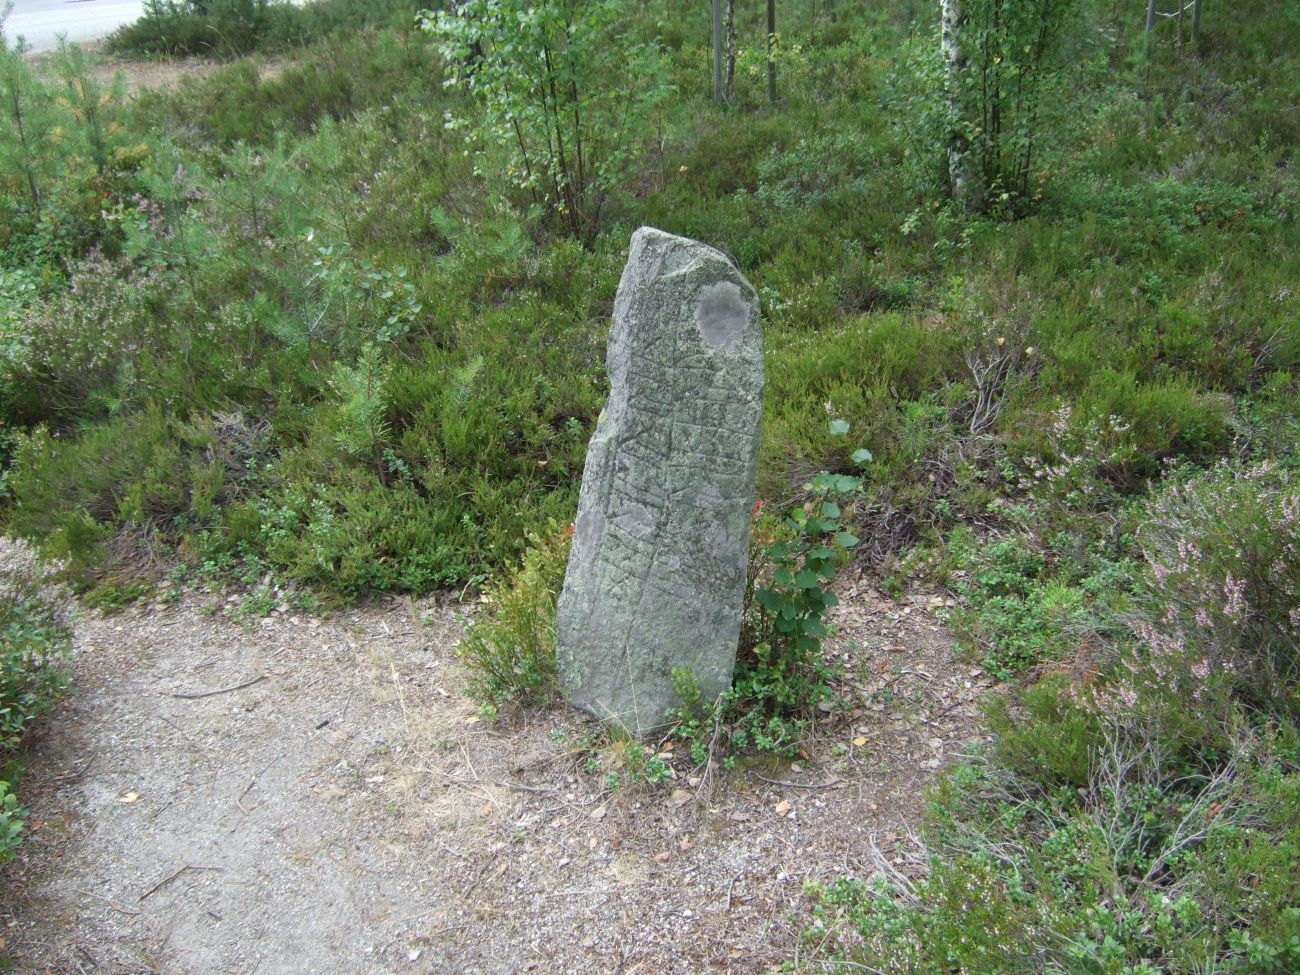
(42, 22)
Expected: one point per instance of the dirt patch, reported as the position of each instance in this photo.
(311, 795)
(165, 75)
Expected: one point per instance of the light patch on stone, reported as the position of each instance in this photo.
(722, 313)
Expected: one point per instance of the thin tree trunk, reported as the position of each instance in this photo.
(771, 50)
(1182, 7)
(717, 50)
(21, 127)
(1196, 19)
(731, 50)
(1151, 19)
(959, 175)
(994, 134)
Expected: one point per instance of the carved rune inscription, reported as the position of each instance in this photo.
(656, 577)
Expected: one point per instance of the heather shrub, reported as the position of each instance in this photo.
(91, 343)
(129, 474)
(1221, 599)
(34, 620)
(35, 614)
(1147, 866)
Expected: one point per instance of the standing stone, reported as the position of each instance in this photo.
(656, 577)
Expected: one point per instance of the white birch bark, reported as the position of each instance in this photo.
(717, 50)
(959, 175)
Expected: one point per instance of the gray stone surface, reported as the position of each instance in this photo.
(657, 573)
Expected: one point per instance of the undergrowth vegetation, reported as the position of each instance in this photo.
(234, 28)
(33, 642)
(314, 325)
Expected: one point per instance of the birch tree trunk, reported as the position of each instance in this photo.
(960, 179)
(771, 50)
(717, 50)
(730, 91)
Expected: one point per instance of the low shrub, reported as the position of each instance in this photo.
(1220, 620)
(1021, 606)
(509, 649)
(34, 621)
(12, 819)
(34, 640)
(235, 28)
(337, 78)
(92, 345)
(132, 474)
(1155, 864)
(1138, 811)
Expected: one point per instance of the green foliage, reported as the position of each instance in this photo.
(780, 677)
(97, 109)
(235, 28)
(28, 126)
(1221, 600)
(1018, 69)
(565, 129)
(363, 431)
(1148, 867)
(336, 79)
(1140, 810)
(509, 649)
(12, 820)
(34, 642)
(34, 637)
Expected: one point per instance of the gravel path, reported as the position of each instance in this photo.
(316, 796)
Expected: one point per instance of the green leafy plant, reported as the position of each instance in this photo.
(562, 89)
(12, 819)
(780, 675)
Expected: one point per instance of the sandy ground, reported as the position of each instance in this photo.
(161, 74)
(345, 810)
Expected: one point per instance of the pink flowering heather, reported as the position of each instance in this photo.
(1223, 585)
